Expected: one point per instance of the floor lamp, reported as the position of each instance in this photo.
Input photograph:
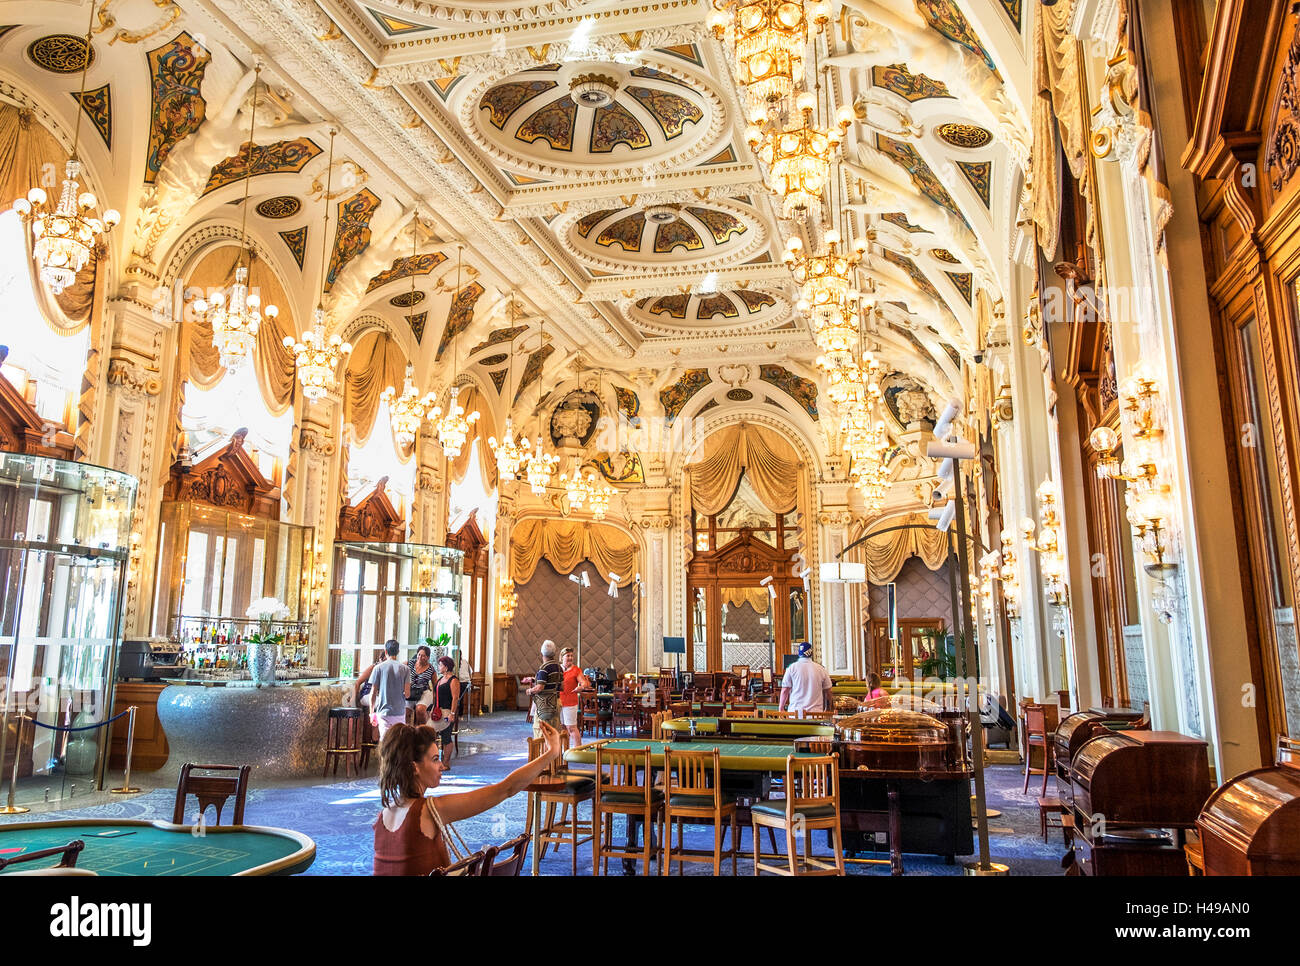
(582, 580)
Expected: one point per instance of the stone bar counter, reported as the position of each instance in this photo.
(279, 730)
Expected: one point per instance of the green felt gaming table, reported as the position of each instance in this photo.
(756, 757)
(750, 727)
(160, 848)
(695, 705)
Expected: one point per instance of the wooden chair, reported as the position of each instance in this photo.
(470, 865)
(589, 719)
(461, 705)
(817, 715)
(741, 671)
(736, 711)
(211, 790)
(626, 711)
(773, 713)
(67, 857)
(657, 724)
(625, 789)
(712, 709)
(1038, 735)
(567, 828)
(667, 678)
(692, 784)
(513, 864)
(704, 685)
(812, 802)
(679, 709)
(1048, 809)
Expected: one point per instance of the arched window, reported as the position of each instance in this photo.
(377, 457)
(45, 365)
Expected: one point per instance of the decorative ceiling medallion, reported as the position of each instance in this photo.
(407, 300)
(281, 206)
(943, 255)
(961, 135)
(569, 120)
(980, 176)
(675, 397)
(801, 390)
(297, 242)
(734, 312)
(622, 240)
(926, 181)
(739, 395)
(60, 53)
(498, 379)
(98, 105)
(629, 404)
(909, 86)
(494, 360)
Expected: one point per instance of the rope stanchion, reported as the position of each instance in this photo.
(89, 727)
(9, 807)
(127, 788)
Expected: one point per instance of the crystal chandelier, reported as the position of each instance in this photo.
(317, 357)
(825, 279)
(575, 488)
(599, 493)
(235, 321)
(771, 38)
(454, 425)
(510, 455)
(540, 468)
(507, 601)
(64, 237)
(406, 411)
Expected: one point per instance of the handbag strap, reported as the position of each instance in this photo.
(450, 836)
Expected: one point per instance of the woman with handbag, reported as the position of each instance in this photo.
(414, 834)
(446, 702)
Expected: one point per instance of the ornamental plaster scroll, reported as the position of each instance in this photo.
(717, 123)
(614, 47)
(184, 175)
(305, 48)
(133, 379)
(108, 20)
(316, 442)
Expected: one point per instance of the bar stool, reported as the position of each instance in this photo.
(343, 740)
(694, 793)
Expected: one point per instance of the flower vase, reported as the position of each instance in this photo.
(263, 652)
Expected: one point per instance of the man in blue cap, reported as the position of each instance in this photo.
(806, 686)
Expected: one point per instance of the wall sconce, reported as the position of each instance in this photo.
(1148, 495)
(988, 573)
(1047, 543)
(1010, 576)
(507, 601)
(424, 570)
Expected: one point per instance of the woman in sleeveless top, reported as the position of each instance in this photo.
(408, 831)
(448, 691)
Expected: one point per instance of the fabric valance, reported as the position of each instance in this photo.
(769, 462)
(479, 432)
(886, 554)
(756, 597)
(1057, 104)
(377, 362)
(566, 544)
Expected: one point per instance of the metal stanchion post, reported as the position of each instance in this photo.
(127, 788)
(9, 807)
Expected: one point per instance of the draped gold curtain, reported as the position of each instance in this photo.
(272, 362)
(1056, 86)
(30, 157)
(756, 597)
(377, 362)
(886, 554)
(769, 462)
(479, 433)
(566, 544)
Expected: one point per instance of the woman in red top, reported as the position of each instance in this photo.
(408, 832)
(574, 682)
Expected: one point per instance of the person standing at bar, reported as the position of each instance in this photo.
(390, 687)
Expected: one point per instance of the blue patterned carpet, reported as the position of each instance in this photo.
(338, 816)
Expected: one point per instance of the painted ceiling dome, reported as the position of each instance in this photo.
(736, 311)
(557, 119)
(651, 237)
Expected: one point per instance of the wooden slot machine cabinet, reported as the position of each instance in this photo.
(1135, 793)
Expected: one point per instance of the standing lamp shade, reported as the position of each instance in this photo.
(843, 572)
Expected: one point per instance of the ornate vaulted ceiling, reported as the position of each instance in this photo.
(589, 155)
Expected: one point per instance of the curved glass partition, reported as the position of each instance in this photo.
(64, 552)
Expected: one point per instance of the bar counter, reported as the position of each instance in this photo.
(278, 730)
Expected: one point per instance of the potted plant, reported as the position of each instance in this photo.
(264, 646)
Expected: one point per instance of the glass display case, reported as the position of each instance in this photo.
(212, 564)
(64, 552)
(406, 592)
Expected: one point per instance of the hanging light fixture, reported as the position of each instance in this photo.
(64, 237)
(454, 425)
(575, 488)
(770, 42)
(599, 494)
(317, 357)
(235, 321)
(541, 464)
(407, 411)
(511, 455)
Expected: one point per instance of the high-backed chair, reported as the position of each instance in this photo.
(1040, 729)
(566, 828)
(505, 859)
(812, 802)
(694, 793)
(470, 865)
(626, 789)
(211, 790)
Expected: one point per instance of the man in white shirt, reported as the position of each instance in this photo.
(806, 686)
